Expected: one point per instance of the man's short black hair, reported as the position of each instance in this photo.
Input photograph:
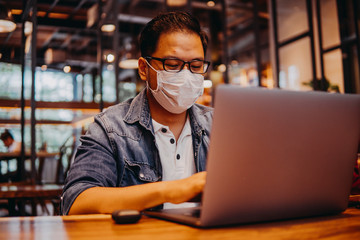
(167, 23)
(5, 135)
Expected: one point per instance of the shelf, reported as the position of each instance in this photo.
(27, 122)
(54, 105)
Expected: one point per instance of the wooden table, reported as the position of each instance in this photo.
(29, 191)
(42, 155)
(27, 154)
(87, 227)
(19, 194)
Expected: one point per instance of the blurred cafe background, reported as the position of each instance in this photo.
(63, 61)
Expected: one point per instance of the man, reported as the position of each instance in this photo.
(12, 146)
(152, 149)
(9, 142)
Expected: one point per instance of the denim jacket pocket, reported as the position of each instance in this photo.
(142, 171)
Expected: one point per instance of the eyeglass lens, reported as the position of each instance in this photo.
(196, 66)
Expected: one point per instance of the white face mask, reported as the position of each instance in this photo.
(177, 92)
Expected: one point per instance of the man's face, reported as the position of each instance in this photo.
(7, 142)
(182, 45)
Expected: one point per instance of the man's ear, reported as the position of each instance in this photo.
(142, 68)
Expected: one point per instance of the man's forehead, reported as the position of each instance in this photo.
(173, 44)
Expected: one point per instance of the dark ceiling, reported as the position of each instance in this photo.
(65, 27)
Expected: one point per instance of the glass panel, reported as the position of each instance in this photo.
(52, 136)
(329, 23)
(56, 114)
(295, 65)
(10, 81)
(88, 88)
(54, 86)
(50, 85)
(79, 87)
(334, 71)
(292, 18)
(109, 90)
(97, 89)
(129, 84)
(127, 90)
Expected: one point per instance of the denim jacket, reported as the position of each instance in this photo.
(119, 148)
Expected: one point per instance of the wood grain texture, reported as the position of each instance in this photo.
(342, 226)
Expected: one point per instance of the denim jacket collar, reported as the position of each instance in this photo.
(139, 111)
(196, 126)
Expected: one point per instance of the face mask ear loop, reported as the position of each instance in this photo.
(151, 66)
(157, 76)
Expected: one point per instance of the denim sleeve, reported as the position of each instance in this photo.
(94, 165)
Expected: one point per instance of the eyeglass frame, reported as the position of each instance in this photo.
(183, 65)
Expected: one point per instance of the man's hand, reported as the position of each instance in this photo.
(183, 190)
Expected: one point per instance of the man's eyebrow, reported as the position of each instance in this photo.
(174, 57)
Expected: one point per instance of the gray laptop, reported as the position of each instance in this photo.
(276, 154)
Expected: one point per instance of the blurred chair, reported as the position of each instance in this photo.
(67, 151)
(16, 206)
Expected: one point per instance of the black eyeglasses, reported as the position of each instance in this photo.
(176, 65)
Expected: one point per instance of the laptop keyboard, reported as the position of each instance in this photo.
(193, 213)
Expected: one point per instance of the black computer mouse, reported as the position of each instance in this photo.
(126, 216)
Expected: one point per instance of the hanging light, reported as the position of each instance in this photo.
(208, 84)
(110, 58)
(108, 28)
(67, 69)
(129, 64)
(43, 67)
(210, 4)
(222, 68)
(176, 3)
(6, 22)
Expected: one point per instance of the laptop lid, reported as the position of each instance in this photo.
(277, 154)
